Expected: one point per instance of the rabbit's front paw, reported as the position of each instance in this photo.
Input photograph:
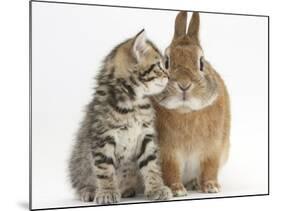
(178, 189)
(107, 197)
(210, 186)
(159, 193)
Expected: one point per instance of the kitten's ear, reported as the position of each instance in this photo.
(140, 45)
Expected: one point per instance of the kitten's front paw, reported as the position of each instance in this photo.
(178, 190)
(159, 193)
(87, 194)
(210, 186)
(107, 197)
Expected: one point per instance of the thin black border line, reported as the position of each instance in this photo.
(150, 8)
(30, 105)
(149, 202)
(268, 84)
(144, 202)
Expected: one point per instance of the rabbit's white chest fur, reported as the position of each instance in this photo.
(191, 168)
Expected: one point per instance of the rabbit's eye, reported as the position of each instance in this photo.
(166, 62)
(201, 63)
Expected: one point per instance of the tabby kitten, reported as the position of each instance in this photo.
(115, 150)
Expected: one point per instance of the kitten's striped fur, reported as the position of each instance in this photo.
(115, 150)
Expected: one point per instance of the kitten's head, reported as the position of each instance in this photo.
(139, 64)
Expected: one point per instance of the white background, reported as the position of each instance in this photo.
(69, 43)
(14, 107)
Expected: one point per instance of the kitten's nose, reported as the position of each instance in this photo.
(184, 87)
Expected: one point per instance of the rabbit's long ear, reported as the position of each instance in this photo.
(194, 25)
(180, 24)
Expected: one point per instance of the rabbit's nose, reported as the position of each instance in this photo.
(184, 87)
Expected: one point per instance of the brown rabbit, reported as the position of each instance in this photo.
(193, 115)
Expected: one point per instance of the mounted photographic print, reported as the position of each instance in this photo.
(142, 105)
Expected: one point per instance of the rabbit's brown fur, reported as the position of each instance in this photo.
(193, 125)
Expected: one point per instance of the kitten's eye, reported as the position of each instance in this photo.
(167, 62)
(201, 63)
(161, 65)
